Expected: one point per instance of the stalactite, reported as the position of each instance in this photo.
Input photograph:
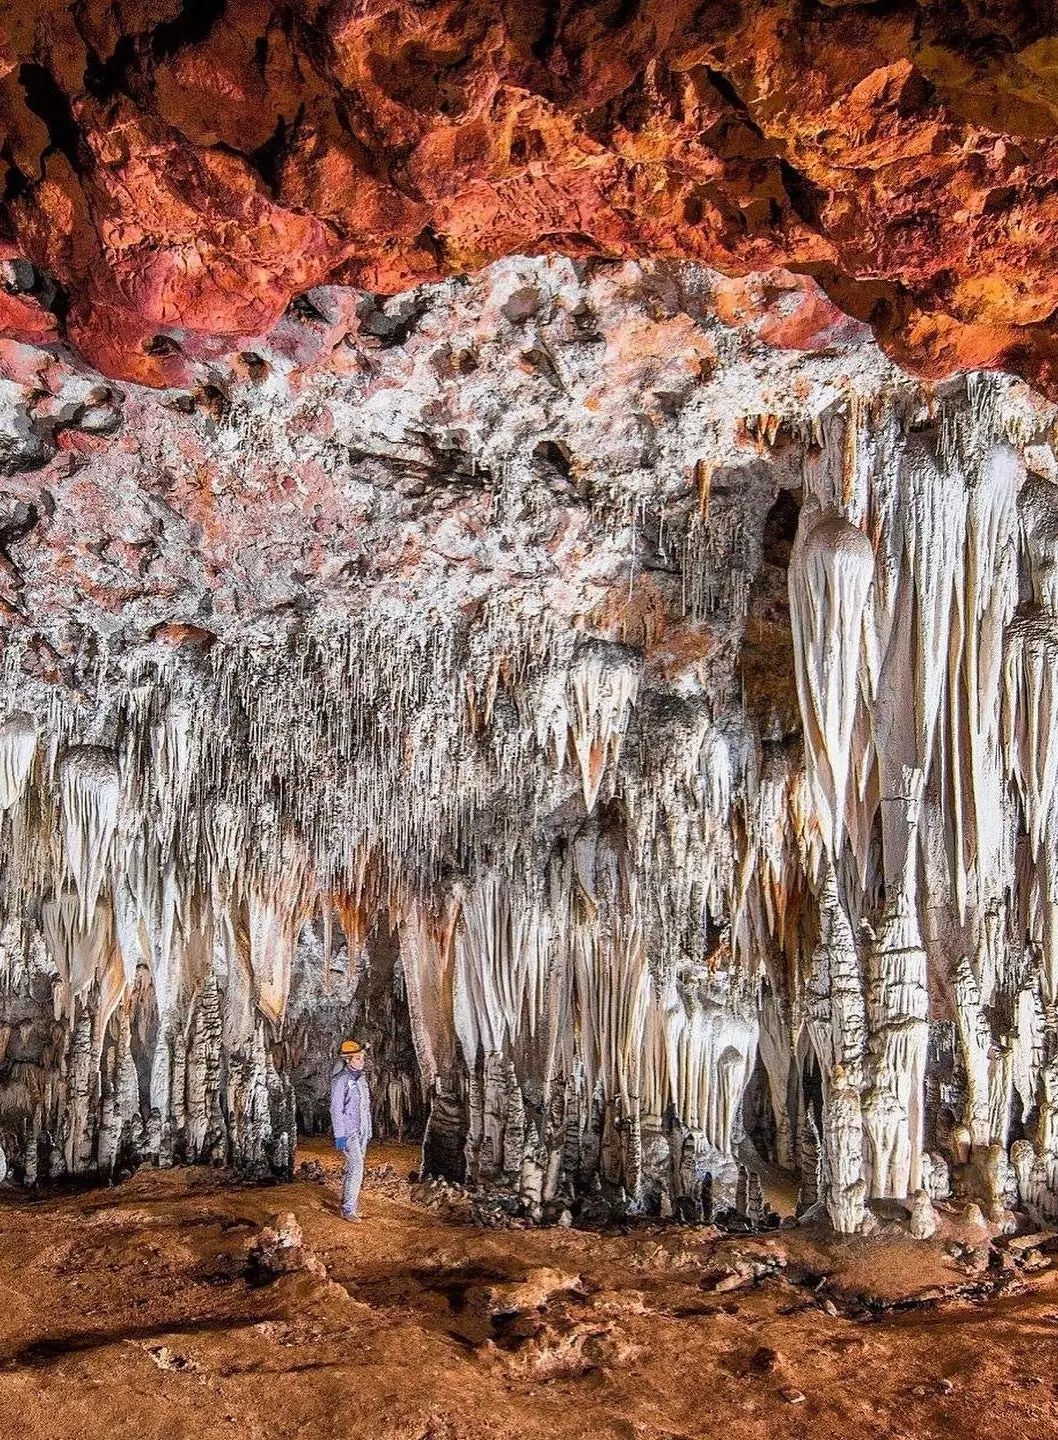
(18, 745)
(830, 577)
(592, 718)
(91, 793)
(984, 607)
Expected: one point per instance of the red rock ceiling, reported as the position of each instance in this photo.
(181, 172)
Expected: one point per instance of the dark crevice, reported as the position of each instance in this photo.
(48, 293)
(780, 529)
(266, 159)
(161, 345)
(16, 182)
(17, 526)
(807, 200)
(545, 41)
(429, 240)
(104, 78)
(723, 86)
(622, 14)
(554, 456)
(390, 322)
(727, 92)
(193, 25)
(50, 103)
(53, 297)
(301, 308)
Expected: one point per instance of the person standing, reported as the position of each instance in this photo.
(351, 1121)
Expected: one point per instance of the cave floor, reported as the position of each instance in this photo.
(129, 1312)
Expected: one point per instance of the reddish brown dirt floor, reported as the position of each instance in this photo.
(128, 1312)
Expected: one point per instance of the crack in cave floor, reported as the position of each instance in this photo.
(129, 1312)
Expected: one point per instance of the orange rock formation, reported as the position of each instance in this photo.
(181, 172)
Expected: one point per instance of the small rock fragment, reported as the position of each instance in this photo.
(1022, 1243)
(279, 1249)
(167, 1359)
(532, 1293)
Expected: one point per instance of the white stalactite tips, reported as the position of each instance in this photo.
(91, 795)
(18, 745)
(602, 690)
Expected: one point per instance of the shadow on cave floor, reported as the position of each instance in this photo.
(50, 1348)
(131, 1312)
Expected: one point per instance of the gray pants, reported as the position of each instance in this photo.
(354, 1176)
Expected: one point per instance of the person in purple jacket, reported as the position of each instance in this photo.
(351, 1121)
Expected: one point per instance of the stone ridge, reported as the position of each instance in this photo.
(175, 175)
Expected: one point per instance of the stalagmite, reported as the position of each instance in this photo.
(835, 1015)
(846, 1188)
(777, 1056)
(898, 1009)
(923, 1223)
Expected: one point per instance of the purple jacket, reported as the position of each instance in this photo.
(351, 1106)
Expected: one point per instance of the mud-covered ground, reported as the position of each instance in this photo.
(133, 1312)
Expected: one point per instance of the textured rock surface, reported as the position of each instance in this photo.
(177, 172)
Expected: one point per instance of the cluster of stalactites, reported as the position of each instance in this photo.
(611, 897)
(544, 996)
(180, 834)
(923, 608)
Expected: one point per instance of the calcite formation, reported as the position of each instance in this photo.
(634, 721)
(176, 172)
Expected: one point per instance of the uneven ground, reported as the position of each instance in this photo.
(130, 1312)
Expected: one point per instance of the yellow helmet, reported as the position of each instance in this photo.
(352, 1047)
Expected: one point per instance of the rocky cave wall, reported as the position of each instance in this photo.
(173, 173)
(580, 679)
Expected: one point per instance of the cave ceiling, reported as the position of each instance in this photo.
(177, 174)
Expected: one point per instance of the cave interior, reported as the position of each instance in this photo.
(532, 539)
